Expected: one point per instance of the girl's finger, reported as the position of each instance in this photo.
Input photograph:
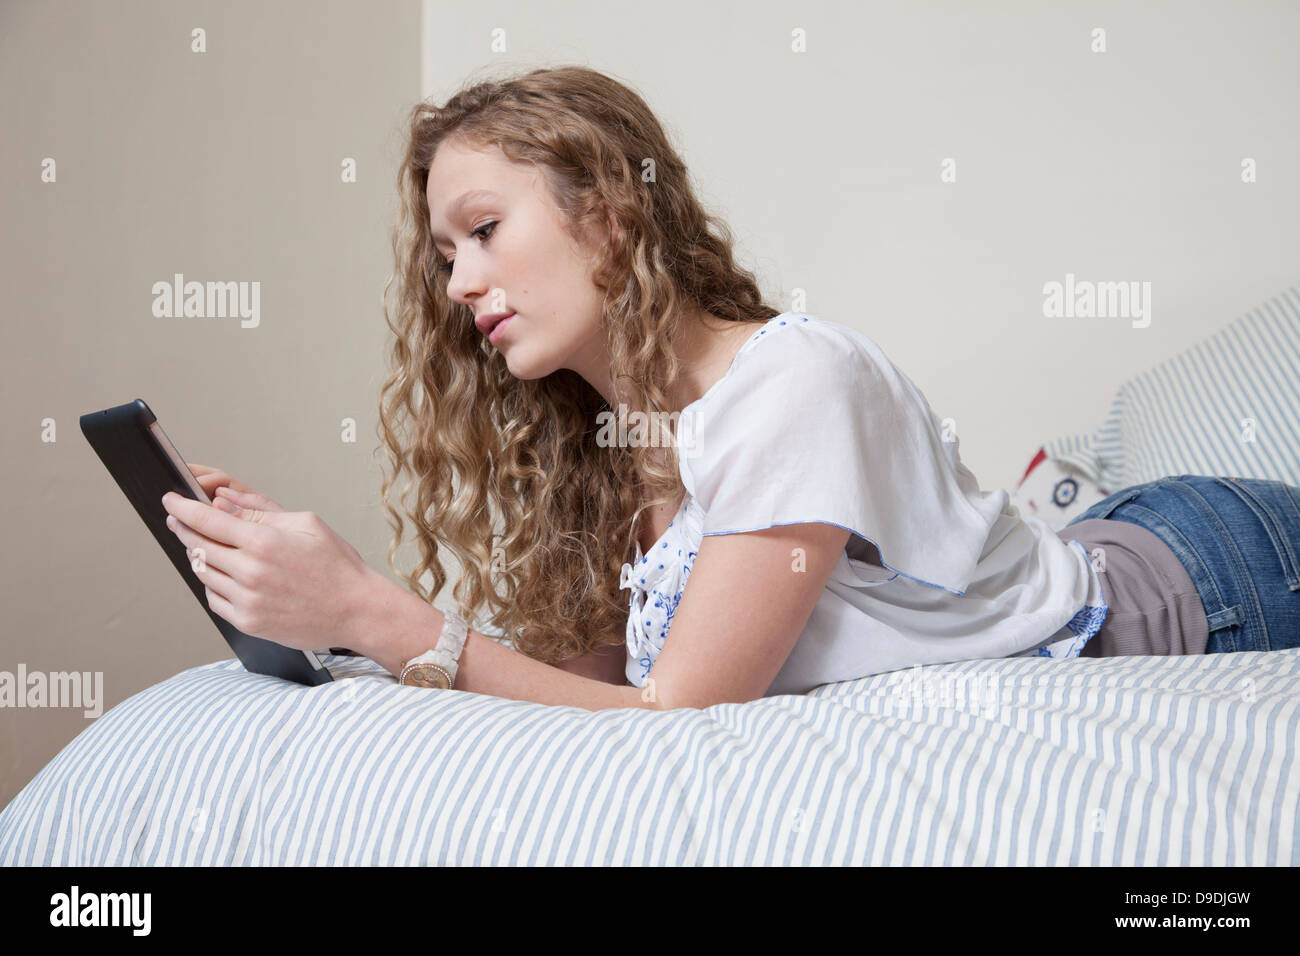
(248, 500)
(232, 501)
(220, 606)
(217, 581)
(214, 553)
(214, 483)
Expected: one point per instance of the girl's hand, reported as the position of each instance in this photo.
(280, 575)
(213, 478)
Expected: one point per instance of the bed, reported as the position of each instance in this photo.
(1138, 761)
(1095, 762)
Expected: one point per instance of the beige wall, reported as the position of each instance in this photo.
(225, 166)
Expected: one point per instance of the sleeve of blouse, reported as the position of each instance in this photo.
(821, 427)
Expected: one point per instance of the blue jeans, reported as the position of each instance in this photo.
(1239, 539)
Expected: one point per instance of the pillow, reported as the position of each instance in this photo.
(1055, 491)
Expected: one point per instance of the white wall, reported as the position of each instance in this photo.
(1123, 165)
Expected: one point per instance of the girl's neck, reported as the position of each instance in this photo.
(705, 350)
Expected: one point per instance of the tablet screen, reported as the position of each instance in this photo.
(182, 469)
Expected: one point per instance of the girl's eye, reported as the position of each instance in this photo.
(490, 228)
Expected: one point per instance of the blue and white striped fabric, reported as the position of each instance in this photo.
(1226, 406)
(1186, 761)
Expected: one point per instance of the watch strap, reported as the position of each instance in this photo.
(445, 656)
(451, 642)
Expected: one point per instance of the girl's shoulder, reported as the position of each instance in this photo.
(793, 349)
(806, 359)
(814, 423)
(800, 335)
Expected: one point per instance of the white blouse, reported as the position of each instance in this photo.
(812, 422)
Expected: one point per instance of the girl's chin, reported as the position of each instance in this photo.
(519, 366)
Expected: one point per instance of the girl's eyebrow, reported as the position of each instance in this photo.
(461, 201)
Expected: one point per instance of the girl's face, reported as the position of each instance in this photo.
(504, 236)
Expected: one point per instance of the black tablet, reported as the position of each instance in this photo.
(145, 465)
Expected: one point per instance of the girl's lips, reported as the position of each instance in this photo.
(497, 329)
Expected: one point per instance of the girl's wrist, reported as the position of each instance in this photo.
(373, 601)
(390, 625)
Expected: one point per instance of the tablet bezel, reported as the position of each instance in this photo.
(144, 462)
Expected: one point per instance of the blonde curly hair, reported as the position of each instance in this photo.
(508, 473)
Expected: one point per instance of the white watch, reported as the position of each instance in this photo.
(437, 668)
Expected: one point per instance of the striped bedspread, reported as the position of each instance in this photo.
(1119, 761)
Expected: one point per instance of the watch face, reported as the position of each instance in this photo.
(426, 675)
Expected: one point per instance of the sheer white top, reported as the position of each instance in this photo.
(813, 423)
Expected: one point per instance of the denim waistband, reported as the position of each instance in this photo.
(1176, 510)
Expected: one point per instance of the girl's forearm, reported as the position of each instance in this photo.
(391, 625)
